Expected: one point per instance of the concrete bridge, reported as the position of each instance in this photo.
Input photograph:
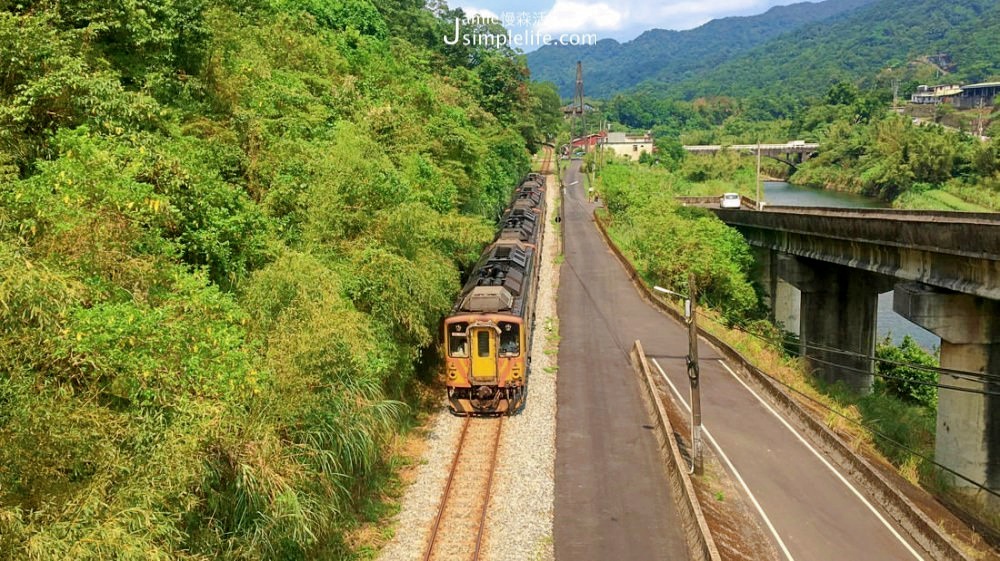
(791, 153)
(823, 270)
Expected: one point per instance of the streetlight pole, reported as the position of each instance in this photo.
(697, 463)
(758, 174)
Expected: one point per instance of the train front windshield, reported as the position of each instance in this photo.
(510, 339)
(458, 340)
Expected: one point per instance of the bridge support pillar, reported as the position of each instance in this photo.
(838, 320)
(968, 422)
(781, 297)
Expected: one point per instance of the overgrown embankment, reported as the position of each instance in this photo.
(227, 234)
(665, 241)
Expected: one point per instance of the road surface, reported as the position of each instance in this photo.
(608, 497)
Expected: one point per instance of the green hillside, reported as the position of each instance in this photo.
(670, 56)
(228, 232)
(857, 47)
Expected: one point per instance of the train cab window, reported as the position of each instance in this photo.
(458, 341)
(483, 343)
(510, 339)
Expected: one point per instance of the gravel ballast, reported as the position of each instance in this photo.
(519, 522)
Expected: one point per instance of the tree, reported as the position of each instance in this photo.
(546, 109)
(841, 93)
(900, 379)
(670, 152)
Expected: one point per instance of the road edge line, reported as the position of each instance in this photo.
(701, 544)
(732, 468)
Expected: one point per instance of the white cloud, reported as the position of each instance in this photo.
(472, 11)
(569, 16)
(701, 12)
(618, 19)
(624, 19)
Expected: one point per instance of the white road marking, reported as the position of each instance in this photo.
(826, 463)
(732, 468)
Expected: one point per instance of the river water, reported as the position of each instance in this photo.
(889, 322)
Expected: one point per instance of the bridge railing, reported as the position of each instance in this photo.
(708, 201)
(710, 148)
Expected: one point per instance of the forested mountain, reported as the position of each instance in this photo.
(670, 56)
(859, 46)
(228, 232)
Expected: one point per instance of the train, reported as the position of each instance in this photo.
(487, 335)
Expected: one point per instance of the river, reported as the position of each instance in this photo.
(889, 322)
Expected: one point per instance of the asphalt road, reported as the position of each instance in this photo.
(611, 501)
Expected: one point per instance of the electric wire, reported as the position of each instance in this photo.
(984, 377)
(873, 430)
(860, 372)
(966, 374)
(880, 434)
(793, 341)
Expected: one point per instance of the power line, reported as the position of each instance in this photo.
(880, 434)
(970, 376)
(964, 374)
(854, 370)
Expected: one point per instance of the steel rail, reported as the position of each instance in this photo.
(462, 455)
(447, 491)
(489, 489)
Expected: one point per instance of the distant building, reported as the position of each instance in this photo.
(628, 145)
(978, 95)
(935, 94)
(589, 141)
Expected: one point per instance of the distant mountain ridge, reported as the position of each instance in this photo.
(668, 56)
(860, 46)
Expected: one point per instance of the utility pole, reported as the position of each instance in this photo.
(698, 466)
(697, 463)
(600, 144)
(578, 97)
(979, 118)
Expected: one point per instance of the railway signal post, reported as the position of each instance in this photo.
(697, 464)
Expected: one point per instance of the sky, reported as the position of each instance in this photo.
(609, 19)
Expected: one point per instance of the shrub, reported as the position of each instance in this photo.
(909, 383)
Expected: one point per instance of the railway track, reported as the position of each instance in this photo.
(547, 162)
(457, 533)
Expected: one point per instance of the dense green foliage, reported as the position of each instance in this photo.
(663, 56)
(889, 157)
(913, 385)
(666, 241)
(228, 232)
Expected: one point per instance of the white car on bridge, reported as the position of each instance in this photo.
(730, 200)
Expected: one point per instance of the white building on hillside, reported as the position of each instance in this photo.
(629, 145)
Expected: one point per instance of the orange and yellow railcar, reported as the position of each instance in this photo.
(487, 336)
